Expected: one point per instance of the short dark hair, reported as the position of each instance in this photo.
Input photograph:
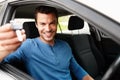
(46, 10)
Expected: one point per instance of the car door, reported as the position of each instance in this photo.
(76, 8)
(108, 47)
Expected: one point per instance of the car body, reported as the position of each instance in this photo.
(102, 26)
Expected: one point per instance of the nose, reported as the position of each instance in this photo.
(48, 28)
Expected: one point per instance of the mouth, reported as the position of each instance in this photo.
(49, 34)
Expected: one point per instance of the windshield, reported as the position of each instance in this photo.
(107, 7)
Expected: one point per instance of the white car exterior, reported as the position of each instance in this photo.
(107, 7)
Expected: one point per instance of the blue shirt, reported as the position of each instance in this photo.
(45, 62)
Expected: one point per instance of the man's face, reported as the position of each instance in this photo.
(47, 26)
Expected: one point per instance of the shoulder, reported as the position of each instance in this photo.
(29, 42)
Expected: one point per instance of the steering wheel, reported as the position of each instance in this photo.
(111, 73)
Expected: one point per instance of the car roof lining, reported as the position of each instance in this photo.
(27, 11)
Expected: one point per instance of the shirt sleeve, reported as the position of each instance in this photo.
(14, 58)
(76, 69)
(19, 55)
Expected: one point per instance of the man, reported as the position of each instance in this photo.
(45, 57)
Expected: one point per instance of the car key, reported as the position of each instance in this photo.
(17, 27)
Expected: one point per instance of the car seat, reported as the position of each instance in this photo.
(85, 51)
(30, 29)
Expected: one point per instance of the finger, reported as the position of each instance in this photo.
(23, 31)
(7, 35)
(24, 37)
(10, 48)
(23, 34)
(6, 32)
(5, 28)
(9, 41)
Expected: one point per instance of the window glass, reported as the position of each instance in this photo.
(20, 21)
(63, 26)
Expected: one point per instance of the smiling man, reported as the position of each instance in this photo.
(45, 57)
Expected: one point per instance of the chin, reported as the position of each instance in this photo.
(49, 39)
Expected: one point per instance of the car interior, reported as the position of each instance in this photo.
(95, 52)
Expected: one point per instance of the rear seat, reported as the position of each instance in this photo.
(84, 50)
(30, 29)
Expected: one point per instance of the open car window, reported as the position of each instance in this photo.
(106, 28)
(63, 26)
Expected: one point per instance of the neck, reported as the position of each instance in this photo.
(51, 42)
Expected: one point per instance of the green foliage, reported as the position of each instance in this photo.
(63, 22)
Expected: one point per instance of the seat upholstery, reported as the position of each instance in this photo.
(30, 29)
(75, 23)
(85, 51)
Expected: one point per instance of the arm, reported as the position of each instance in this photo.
(8, 40)
(78, 71)
(87, 77)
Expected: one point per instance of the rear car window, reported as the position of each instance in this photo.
(63, 26)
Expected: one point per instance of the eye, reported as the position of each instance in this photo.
(43, 24)
(53, 23)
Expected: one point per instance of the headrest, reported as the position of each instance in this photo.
(75, 23)
(30, 29)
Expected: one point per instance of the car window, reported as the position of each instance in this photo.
(63, 26)
(20, 21)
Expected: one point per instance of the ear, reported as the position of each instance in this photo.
(36, 25)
